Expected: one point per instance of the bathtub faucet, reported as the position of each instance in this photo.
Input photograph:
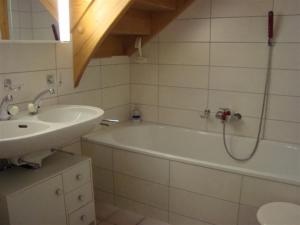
(226, 114)
(109, 122)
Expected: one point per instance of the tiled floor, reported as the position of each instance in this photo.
(111, 215)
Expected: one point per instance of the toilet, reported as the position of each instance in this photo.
(279, 213)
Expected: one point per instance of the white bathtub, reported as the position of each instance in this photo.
(273, 160)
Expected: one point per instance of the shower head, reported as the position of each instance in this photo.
(270, 27)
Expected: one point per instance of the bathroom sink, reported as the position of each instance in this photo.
(53, 127)
(67, 114)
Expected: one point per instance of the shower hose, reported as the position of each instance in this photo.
(262, 115)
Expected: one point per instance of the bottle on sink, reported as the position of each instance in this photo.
(136, 115)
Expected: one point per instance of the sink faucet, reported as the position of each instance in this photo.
(109, 122)
(5, 112)
(34, 107)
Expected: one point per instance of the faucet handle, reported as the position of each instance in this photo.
(14, 110)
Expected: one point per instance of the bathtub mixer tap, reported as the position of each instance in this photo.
(109, 122)
(225, 114)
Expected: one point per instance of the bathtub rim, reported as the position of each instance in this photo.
(187, 160)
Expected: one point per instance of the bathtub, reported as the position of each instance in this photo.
(273, 160)
(185, 177)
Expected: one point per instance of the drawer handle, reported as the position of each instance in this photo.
(58, 192)
(83, 218)
(80, 197)
(78, 177)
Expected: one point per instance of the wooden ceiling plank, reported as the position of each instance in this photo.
(92, 29)
(134, 22)
(155, 5)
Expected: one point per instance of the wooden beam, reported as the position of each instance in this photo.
(134, 22)
(112, 46)
(4, 24)
(92, 29)
(159, 21)
(155, 5)
(77, 9)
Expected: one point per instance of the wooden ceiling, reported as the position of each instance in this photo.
(105, 28)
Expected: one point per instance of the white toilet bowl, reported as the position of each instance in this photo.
(279, 213)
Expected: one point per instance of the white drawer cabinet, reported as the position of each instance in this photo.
(60, 193)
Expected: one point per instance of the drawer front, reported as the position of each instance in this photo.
(79, 197)
(84, 216)
(77, 176)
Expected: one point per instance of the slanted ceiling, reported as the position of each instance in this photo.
(105, 28)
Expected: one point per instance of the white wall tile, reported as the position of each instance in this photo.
(183, 98)
(249, 29)
(204, 208)
(184, 53)
(285, 82)
(237, 8)
(256, 192)
(115, 96)
(91, 98)
(206, 181)
(149, 113)
(144, 73)
(181, 118)
(142, 191)
(286, 56)
(247, 104)
(31, 83)
(91, 80)
(115, 75)
(142, 166)
(287, 7)
(149, 52)
(285, 29)
(239, 54)
(119, 112)
(283, 131)
(197, 30)
(26, 57)
(198, 9)
(64, 57)
(183, 76)
(100, 154)
(144, 94)
(284, 108)
(237, 79)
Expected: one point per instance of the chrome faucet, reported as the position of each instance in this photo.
(34, 107)
(7, 112)
(109, 122)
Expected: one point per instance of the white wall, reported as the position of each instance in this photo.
(215, 55)
(105, 83)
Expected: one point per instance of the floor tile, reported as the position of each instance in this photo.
(103, 211)
(149, 221)
(124, 217)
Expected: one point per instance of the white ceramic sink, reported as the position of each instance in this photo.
(53, 127)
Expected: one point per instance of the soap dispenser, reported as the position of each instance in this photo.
(136, 115)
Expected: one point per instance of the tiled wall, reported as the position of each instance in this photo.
(105, 84)
(180, 193)
(215, 55)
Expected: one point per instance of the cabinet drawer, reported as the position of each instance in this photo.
(83, 216)
(79, 197)
(77, 176)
